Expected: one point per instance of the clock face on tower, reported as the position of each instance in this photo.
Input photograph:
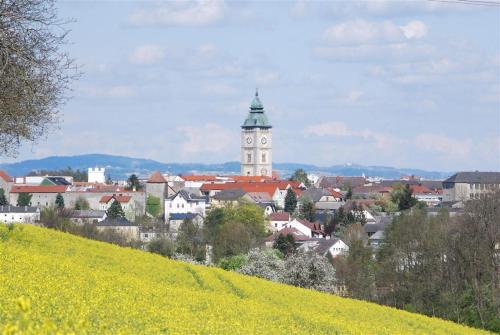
(263, 172)
(249, 140)
(263, 140)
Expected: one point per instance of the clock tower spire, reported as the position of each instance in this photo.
(256, 141)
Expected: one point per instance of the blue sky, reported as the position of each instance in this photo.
(405, 84)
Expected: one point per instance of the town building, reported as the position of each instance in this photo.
(464, 186)
(19, 214)
(96, 175)
(256, 142)
(332, 247)
(184, 202)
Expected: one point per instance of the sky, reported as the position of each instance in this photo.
(393, 83)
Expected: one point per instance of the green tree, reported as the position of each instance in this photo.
(3, 199)
(115, 211)
(82, 204)
(348, 194)
(162, 246)
(153, 205)
(35, 71)
(133, 182)
(290, 201)
(59, 201)
(234, 230)
(190, 240)
(24, 199)
(402, 195)
(285, 244)
(307, 210)
(301, 175)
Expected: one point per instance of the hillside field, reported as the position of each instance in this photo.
(52, 282)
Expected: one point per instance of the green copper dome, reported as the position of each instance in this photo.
(256, 117)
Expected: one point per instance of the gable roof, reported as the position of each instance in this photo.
(283, 216)
(229, 195)
(183, 216)
(319, 245)
(5, 176)
(18, 209)
(189, 197)
(156, 177)
(341, 181)
(475, 177)
(297, 235)
(314, 226)
(199, 177)
(259, 197)
(39, 189)
(247, 187)
(118, 222)
(87, 213)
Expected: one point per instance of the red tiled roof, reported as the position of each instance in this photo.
(156, 177)
(314, 226)
(199, 178)
(249, 178)
(335, 193)
(420, 189)
(39, 189)
(247, 187)
(284, 216)
(119, 198)
(298, 236)
(5, 176)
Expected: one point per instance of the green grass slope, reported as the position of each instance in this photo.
(54, 282)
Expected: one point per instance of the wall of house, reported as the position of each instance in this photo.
(19, 217)
(180, 205)
(130, 232)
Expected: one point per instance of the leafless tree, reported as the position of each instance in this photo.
(35, 71)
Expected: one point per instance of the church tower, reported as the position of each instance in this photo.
(256, 142)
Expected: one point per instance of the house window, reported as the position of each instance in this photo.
(263, 158)
(177, 205)
(145, 235)
(249, 158)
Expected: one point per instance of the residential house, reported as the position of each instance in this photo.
(424, 194)
(310, 229)
(87, 216)
(332, 247)
(120, 225)
(176, 220)
(184, 202)
(148, 234)
(278, 221)
(298, 236)
(125, 201)
(263, 200)
(376, 239)
(227, 198)
(19, 214)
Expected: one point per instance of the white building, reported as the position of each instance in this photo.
(464, 186)
(96, 175)
(19, 214)
(278, 221)
(333, 247)
(184, 202)
(256, 142)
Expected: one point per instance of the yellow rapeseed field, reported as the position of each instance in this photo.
(56, 283)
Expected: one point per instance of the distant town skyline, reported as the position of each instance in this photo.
(404, 84)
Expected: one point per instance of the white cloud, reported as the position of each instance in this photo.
(147, 54)
(365, 32)
(183, 13)
(414, 29)
(355, 96)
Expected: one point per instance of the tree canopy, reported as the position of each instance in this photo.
(290, 201)
(115, 210)
(301, 175)
(35, 71)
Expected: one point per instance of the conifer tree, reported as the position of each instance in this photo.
(59, 201)
(115, 211)
(3, 199)
(290, 201)
(24, 199)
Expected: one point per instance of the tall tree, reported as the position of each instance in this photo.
(301, 175)
(35, 71)
(290, 201)
(307, 210)
(81, 204)
(285, 244)
(190, 240)
(133, 182)
(402, 195)
(3, 199)
(115, 211)
(59, 201)
(24, 199)
(153, 205)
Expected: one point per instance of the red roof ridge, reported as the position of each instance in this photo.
(156, 177)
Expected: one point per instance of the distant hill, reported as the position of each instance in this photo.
(119, 167)
(53, 282)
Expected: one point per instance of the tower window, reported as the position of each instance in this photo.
(249, 158)
(263, 158)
